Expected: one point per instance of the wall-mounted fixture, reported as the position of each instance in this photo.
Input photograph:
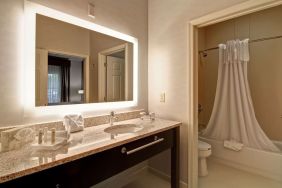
(32, 12)
(91, 10)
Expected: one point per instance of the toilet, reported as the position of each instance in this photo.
(204, 151)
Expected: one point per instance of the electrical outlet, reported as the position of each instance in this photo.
(162, 97)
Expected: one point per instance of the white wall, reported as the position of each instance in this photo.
(11, 44)
(126, 16)
(168, 62)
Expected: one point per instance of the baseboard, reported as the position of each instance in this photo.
(165, 176)
(245, 168)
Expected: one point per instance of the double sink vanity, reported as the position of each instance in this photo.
(93, 155)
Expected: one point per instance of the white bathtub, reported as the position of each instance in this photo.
(264, 163)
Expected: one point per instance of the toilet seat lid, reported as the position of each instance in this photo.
(203, 145)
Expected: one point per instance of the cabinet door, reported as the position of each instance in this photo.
(67, 175)
(103, 165)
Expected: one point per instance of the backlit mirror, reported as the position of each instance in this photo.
(75, 65)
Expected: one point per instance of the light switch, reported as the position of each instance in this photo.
(162, 97)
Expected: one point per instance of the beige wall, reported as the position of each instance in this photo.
(264, 68)
(168, 63)
(126, 16)
(56, 35)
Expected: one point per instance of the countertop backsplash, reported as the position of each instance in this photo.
(8, 134)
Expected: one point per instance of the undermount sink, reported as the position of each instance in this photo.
(123, 129)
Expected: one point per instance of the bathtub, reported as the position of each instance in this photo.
(264, 163)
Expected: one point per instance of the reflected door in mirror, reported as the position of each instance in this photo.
(115, 79)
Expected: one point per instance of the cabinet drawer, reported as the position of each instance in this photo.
(148, 146)
(67, 175)
(111, 162)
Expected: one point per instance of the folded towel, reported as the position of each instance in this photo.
(233, 145)
(74, 122)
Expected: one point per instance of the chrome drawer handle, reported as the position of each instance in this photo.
(157, 140)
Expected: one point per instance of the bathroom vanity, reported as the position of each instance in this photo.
(92, 156)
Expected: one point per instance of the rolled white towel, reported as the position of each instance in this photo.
(74, 122)
(233, 145)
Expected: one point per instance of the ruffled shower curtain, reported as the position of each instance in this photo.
(233, 116)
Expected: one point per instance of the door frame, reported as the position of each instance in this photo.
(238, 10)
(102, 56)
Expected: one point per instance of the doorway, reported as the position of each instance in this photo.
(223, 15)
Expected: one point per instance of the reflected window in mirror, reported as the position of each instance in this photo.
(65, 79)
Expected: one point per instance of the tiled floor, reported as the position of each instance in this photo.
(220, 176)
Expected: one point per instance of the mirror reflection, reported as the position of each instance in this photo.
(75, 65)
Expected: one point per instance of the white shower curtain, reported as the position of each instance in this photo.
(233, 116)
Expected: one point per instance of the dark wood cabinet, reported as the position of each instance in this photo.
(90, 170)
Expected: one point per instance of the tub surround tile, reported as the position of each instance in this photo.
(93, 139)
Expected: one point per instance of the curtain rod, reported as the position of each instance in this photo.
(251, 41)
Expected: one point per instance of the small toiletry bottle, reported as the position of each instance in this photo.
(40, 135)
(45, 134)
(53, 136)
(152, 116)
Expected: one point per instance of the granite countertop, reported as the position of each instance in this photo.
(18, 163)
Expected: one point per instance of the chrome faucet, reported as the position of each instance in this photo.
(112, 118)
